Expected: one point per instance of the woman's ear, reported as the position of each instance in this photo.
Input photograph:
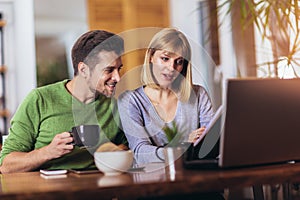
(151, 58)
(83, 69)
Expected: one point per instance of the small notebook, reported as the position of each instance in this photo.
(213, 128)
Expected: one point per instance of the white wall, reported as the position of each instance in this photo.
(25, 48)
(189, 21)
(19, 44)
(64, 19)
(205, 71)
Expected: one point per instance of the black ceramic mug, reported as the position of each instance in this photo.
(85, 135)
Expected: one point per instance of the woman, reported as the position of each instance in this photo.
(167, 100)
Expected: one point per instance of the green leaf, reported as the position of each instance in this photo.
(170, 131)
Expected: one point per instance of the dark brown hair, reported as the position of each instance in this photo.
(88, 46)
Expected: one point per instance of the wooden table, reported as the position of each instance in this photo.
(156, 181)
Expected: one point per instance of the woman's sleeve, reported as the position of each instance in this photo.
(205, 107)
(133, 123)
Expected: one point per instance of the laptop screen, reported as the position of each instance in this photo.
(262, 123)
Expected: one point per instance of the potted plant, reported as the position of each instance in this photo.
(276, 22)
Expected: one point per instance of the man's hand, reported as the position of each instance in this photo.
(59, 146)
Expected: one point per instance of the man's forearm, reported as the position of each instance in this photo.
(23, 161)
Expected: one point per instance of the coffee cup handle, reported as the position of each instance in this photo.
(73, 142)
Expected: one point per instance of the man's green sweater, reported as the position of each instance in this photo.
(50, 110)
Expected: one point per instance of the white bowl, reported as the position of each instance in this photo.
(122, 179)
(113, 162)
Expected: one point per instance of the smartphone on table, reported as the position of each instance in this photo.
(85, 171)
(49, 174)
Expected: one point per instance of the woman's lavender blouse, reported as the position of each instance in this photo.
(140, 121)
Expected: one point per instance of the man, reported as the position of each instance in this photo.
(39, 135)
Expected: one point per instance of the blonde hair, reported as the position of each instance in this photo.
(173, 41)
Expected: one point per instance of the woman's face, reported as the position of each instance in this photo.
(166, 67)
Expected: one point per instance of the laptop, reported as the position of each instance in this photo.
(260, 124)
